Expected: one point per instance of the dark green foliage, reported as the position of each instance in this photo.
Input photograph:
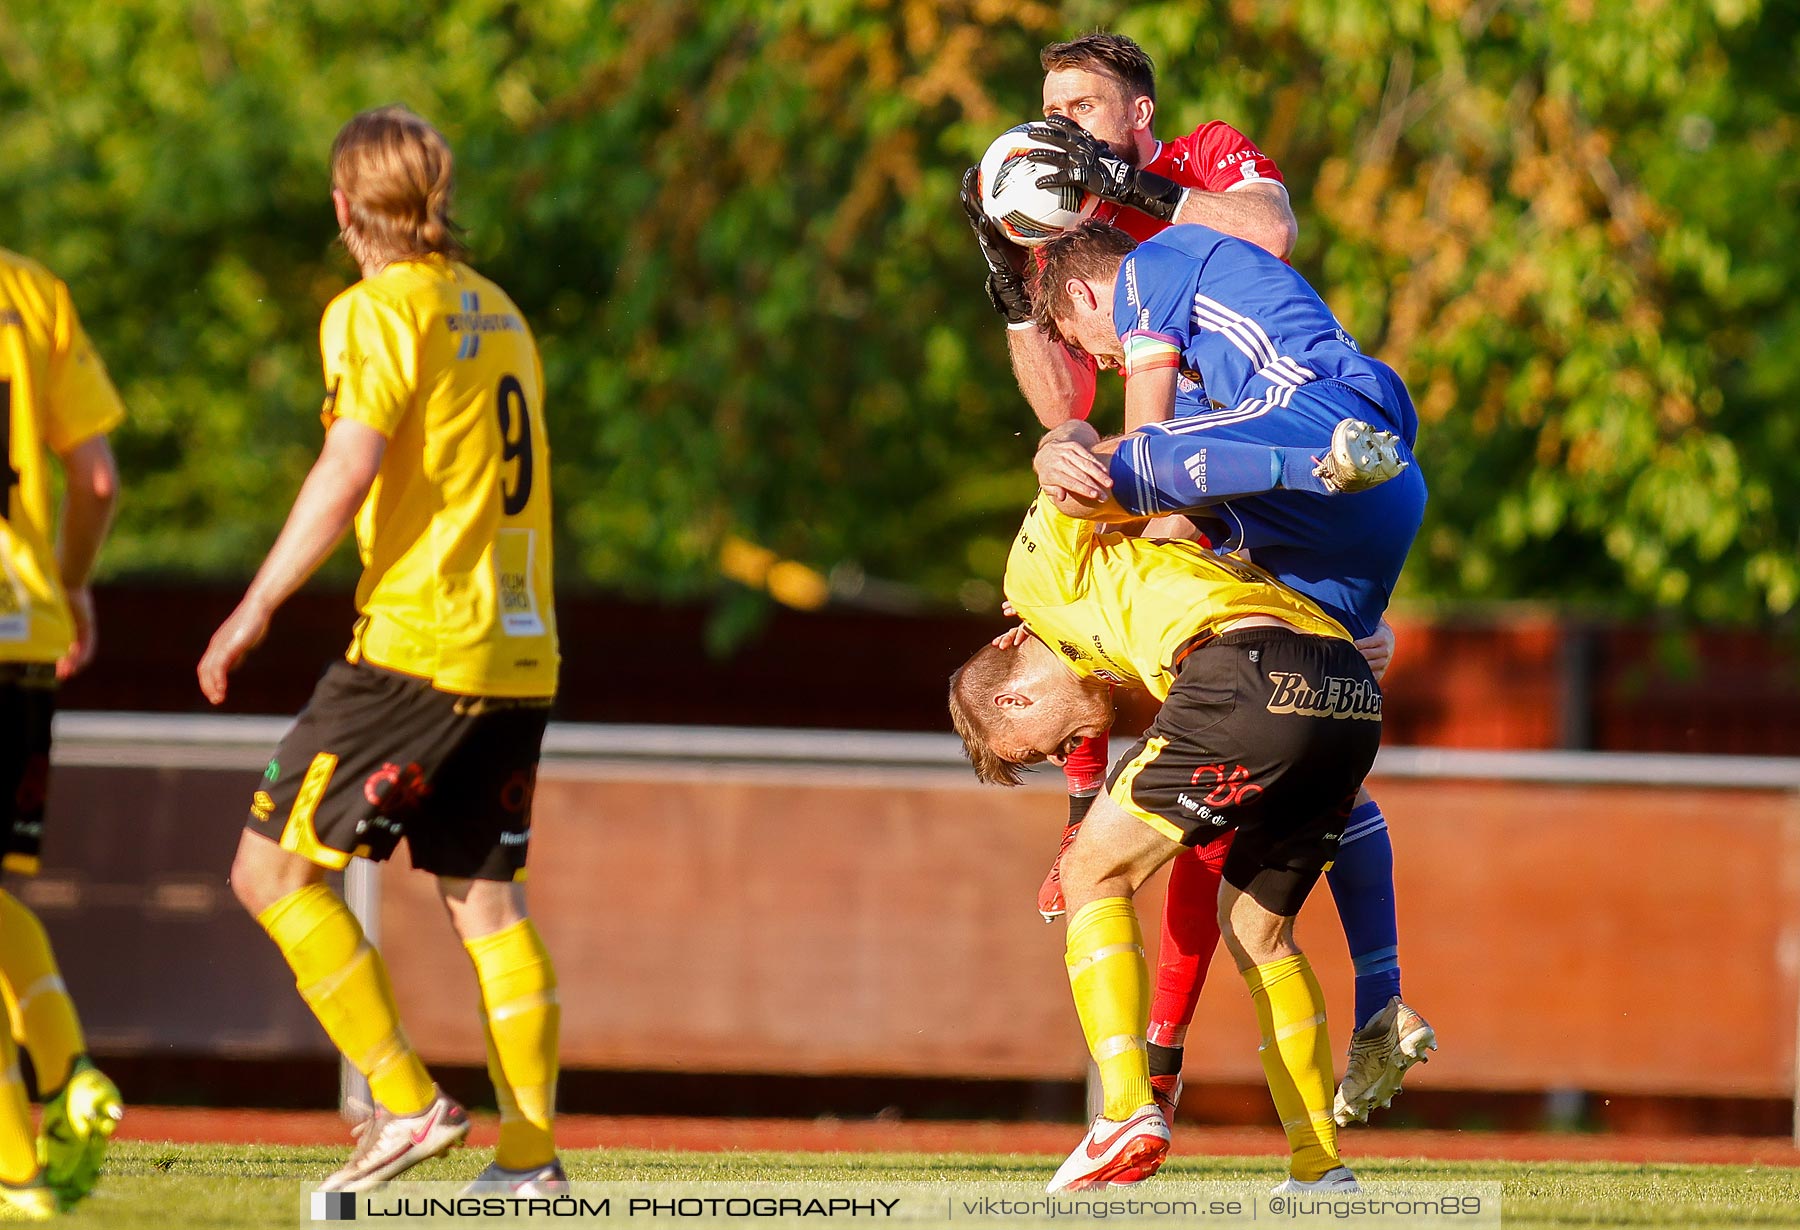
(1573, 227)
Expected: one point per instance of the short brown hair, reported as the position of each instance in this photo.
(398, 174)
(1112, 55)
(1093, 250)
(973, 713)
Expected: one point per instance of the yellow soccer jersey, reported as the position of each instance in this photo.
(55, 393)
(1123, 609)
(455, 534)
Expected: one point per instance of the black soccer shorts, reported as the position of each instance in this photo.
(27, 705)
(378, 757)
(1268, 732)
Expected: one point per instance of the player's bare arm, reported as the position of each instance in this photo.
(1071, 466)
(1073, 473)
(1057, 382)
(90, 494)
(323, 511)
(1067, 466)
(1150, 397)
(1377, 649)
(1259, 213)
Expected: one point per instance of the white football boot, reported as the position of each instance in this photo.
(536, 1181)
(1380, 1053)
(1337, 1179)
(389, 1145)
(1361, 456)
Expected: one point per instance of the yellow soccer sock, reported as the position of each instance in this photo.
(18, 1142)
(1296, 1057)
(522, 1017)
(42, 1015)
(342, 979)
(1111, 982)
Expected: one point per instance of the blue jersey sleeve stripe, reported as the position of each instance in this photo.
(1243, 412)
(1244, 333)
(1228, 330)
(1258, 336)
(1251, 339)
(1291, 371)
(1272, 359)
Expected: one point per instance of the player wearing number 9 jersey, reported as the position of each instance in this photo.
(455, 532)
(429, 731)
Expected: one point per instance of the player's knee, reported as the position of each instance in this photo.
(1252, 934)
(253, 890)
(481, 907)
(1243, 960)
(1094, 869)
(1082, 875)
(259, 878)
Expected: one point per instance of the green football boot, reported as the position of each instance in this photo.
(78, 1124)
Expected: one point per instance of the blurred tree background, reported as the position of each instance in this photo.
(1573, 226)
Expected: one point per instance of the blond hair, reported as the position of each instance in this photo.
(397, 173)
(973, 713)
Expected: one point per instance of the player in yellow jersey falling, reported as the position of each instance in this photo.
(55, 396)
(1270, 720)
(430, 729)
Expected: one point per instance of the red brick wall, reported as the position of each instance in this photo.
(1586, 937)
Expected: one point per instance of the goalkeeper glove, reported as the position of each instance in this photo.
(1083, 162)
(1005, 259)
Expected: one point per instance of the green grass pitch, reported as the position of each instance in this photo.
(225, 1187)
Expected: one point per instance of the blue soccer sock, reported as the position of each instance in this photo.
(1362, 884)
(1155, 472)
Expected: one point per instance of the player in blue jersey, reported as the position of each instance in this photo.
(1221, 342)
(1223, 345)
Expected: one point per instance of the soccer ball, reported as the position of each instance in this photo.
(1024, 212)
